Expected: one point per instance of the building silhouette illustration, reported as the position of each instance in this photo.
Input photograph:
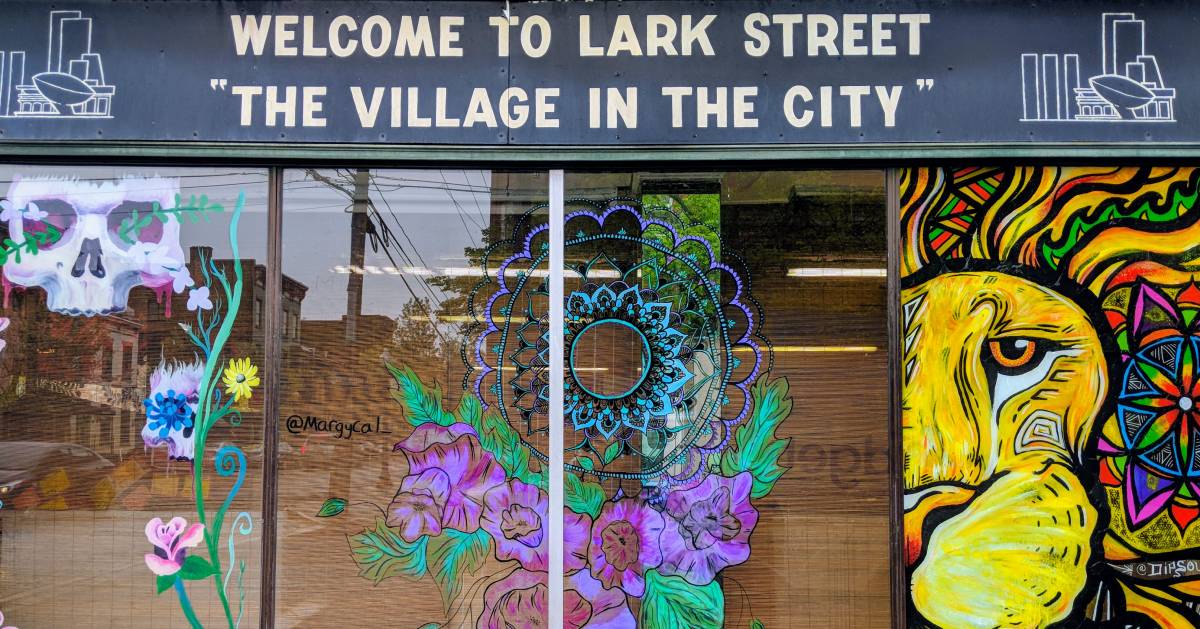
(73, 83)
(1130, 85)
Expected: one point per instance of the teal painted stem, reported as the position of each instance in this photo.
(186, 605)
(204, 422)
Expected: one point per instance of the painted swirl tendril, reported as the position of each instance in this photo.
(243, 524)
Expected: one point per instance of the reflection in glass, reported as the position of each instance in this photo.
(743, 314)
(127, 464)
(726, 394)
(405, 460)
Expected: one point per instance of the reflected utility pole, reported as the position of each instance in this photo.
(359, 223)
(340, 476)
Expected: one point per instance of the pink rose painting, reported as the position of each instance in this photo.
(171, 541)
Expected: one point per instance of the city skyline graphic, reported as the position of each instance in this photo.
(73, 84)
(1129, 88)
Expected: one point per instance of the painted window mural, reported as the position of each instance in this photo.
(128, 374)
(405, 492)
(716, 471)
(700, 310)
(1050, 420)
(708, 318)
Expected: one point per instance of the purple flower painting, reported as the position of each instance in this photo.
(610, 607)
(420, 504)
(449, 475)
(625, 543)
(521, 601)
(515, 517)
(709, 528)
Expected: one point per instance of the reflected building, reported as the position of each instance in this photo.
(95, 371)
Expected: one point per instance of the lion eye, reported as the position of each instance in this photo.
(1015, 353)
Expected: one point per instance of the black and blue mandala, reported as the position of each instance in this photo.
(661, 376)
(645, 274)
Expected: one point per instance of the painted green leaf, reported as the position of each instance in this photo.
(756, 449)
(452, 556)
(756, 624)
(332, 507)
(130, 228)
(381, 553)
(611, 452)
(126, 225)
(499, 438)
(164, 582)
(672, 602)
(421, 405)
(195, 568)
(13, 249)
(582, 496)
(469, 410)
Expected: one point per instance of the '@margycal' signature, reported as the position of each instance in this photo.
(343, 429)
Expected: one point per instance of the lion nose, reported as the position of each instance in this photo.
(932, 506)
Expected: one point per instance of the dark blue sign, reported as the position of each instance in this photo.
(600, 73)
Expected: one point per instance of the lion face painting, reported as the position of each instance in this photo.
(1051, 396)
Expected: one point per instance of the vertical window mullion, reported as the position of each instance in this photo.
(896, 448)
(272, 349)
(555, 611)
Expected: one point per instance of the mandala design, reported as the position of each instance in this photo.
(662, 373)
(643, 270)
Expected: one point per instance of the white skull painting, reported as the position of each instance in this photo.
(91, 269)
(171, 408)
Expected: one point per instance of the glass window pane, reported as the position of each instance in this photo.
(413, 373)
(129, 395)
(726, 412)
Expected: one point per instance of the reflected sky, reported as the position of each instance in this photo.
(425, 220)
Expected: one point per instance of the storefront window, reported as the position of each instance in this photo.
(130, 406)
(726, 411)
(407, 476)
(719, 468)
